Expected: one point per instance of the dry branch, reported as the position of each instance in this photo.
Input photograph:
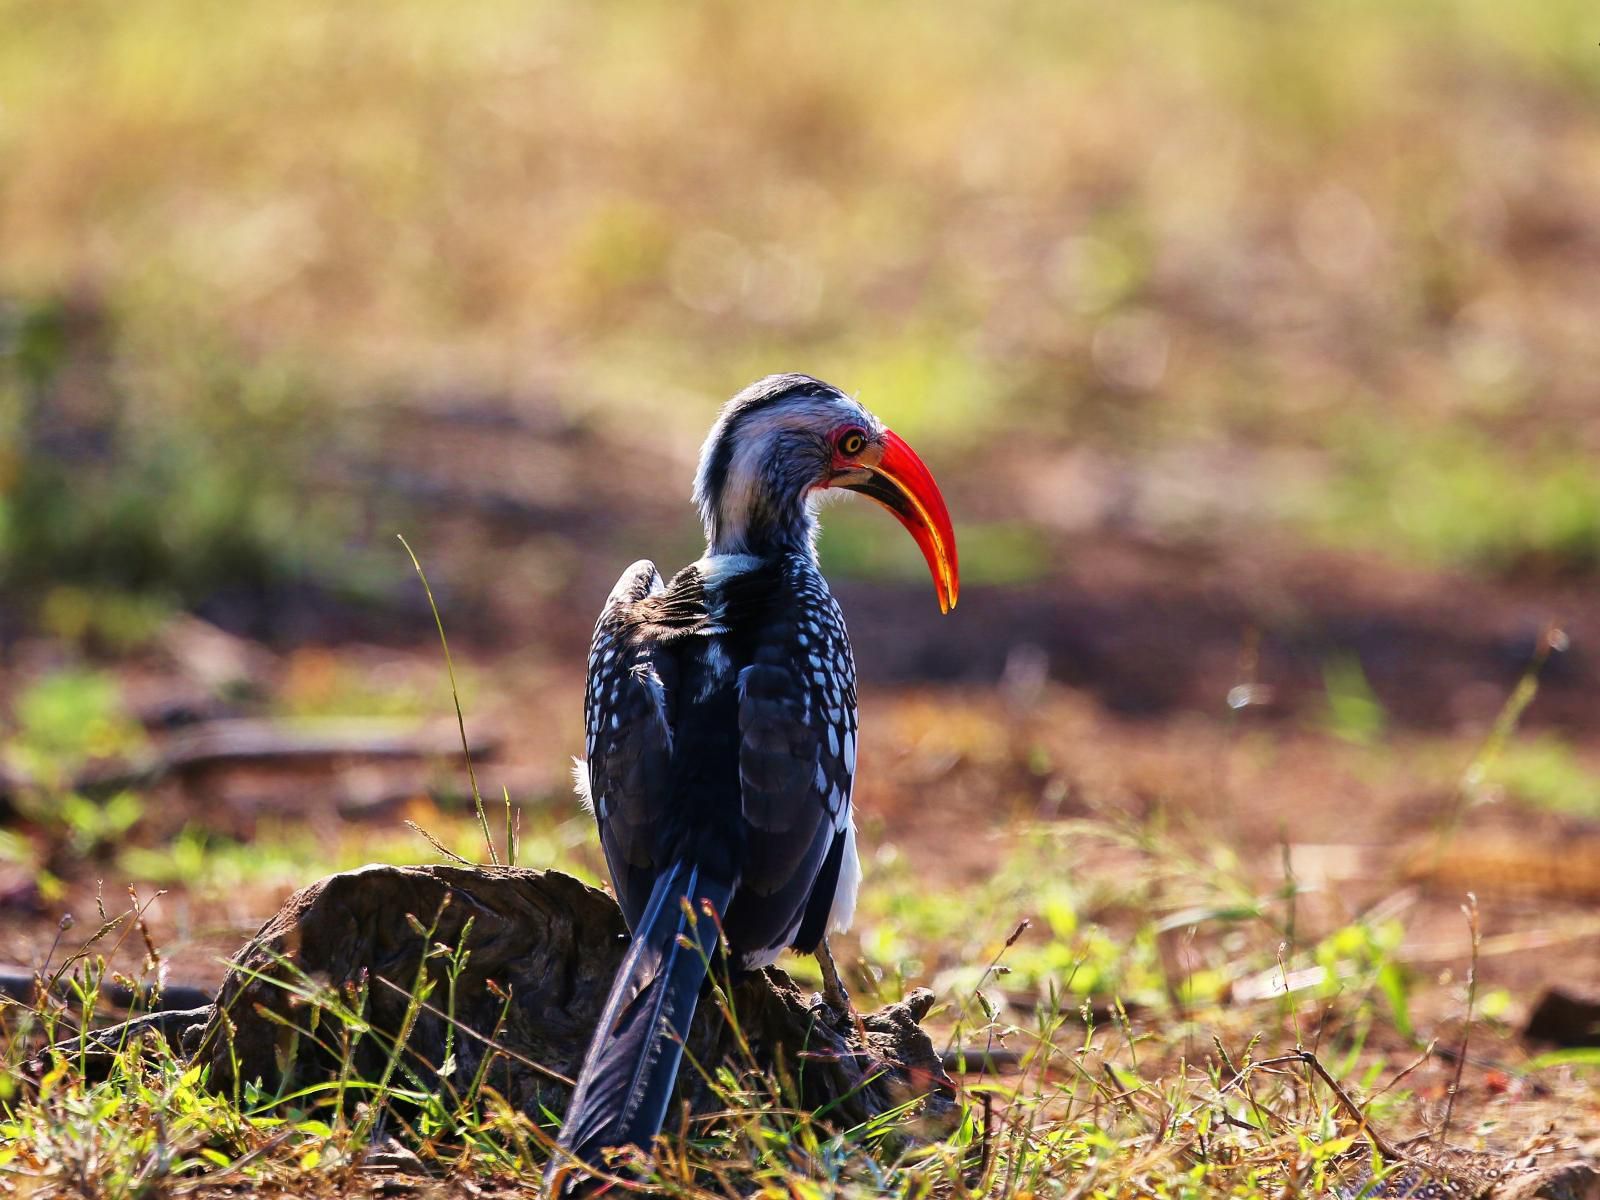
(247, 742)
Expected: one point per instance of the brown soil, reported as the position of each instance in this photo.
(1102, 691)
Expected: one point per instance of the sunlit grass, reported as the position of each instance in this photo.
(319, 683)
(287, 854)
(992, 554)
(1130, 968)
(1085, 1007)
(67, 719)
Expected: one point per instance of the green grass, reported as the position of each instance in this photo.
(66, 720)
(1101, 1104)
(1153, 233)
(1544, 772)
(136, 476)
(56, 727)
(994, 554)
(321, 684)
(285, 854)
(1354, 712)
(1136, 968)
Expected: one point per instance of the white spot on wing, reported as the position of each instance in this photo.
(718, 664)
(647, 677)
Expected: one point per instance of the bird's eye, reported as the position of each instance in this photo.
(852, 442)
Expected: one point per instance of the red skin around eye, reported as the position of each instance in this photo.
(837, 438)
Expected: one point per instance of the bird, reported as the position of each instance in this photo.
(720, 739)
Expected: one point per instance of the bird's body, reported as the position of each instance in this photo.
(715, 703)
(720, 729)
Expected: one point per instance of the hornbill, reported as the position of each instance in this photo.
(720, 721)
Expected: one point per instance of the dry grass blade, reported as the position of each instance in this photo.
(455, 696)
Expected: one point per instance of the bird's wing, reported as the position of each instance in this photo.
(797, 754)
(628, 712)
(721, 725)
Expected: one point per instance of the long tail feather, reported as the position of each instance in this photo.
(633, 1060)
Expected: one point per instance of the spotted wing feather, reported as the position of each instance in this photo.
(721, 720)
(628, 733)
(797, 726)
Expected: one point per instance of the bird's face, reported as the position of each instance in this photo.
(867, 458)
(786, 439)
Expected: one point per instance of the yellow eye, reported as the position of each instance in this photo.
(852, 443)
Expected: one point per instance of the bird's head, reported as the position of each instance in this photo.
(780, 443)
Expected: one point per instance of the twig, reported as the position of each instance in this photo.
(978, 1058)
(242, 741)
(1470, 908)
(1382, 1144)
(438, 845)
(1426, 1054)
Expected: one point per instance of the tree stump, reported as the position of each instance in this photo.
(540, 950)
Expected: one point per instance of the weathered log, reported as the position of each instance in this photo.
(540, 949)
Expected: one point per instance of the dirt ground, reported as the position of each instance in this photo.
(1137, 677)
(1099, 692)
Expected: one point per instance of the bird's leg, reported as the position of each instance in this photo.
(833, 993)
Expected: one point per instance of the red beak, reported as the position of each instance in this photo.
(902, 483)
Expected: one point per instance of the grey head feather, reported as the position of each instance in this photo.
(762, 459)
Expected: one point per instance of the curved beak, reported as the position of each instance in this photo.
(902, 483)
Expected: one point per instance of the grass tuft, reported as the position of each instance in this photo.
(1096, 1063)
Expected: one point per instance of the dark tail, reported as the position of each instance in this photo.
(632, 1063)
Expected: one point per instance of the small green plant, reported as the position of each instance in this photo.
(1354, 713)
(62, 725)
(88, 827)
(67, 720)
(1543, 771)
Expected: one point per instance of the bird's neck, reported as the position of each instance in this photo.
(762, 525)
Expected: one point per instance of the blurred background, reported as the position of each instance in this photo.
(1254, 345)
